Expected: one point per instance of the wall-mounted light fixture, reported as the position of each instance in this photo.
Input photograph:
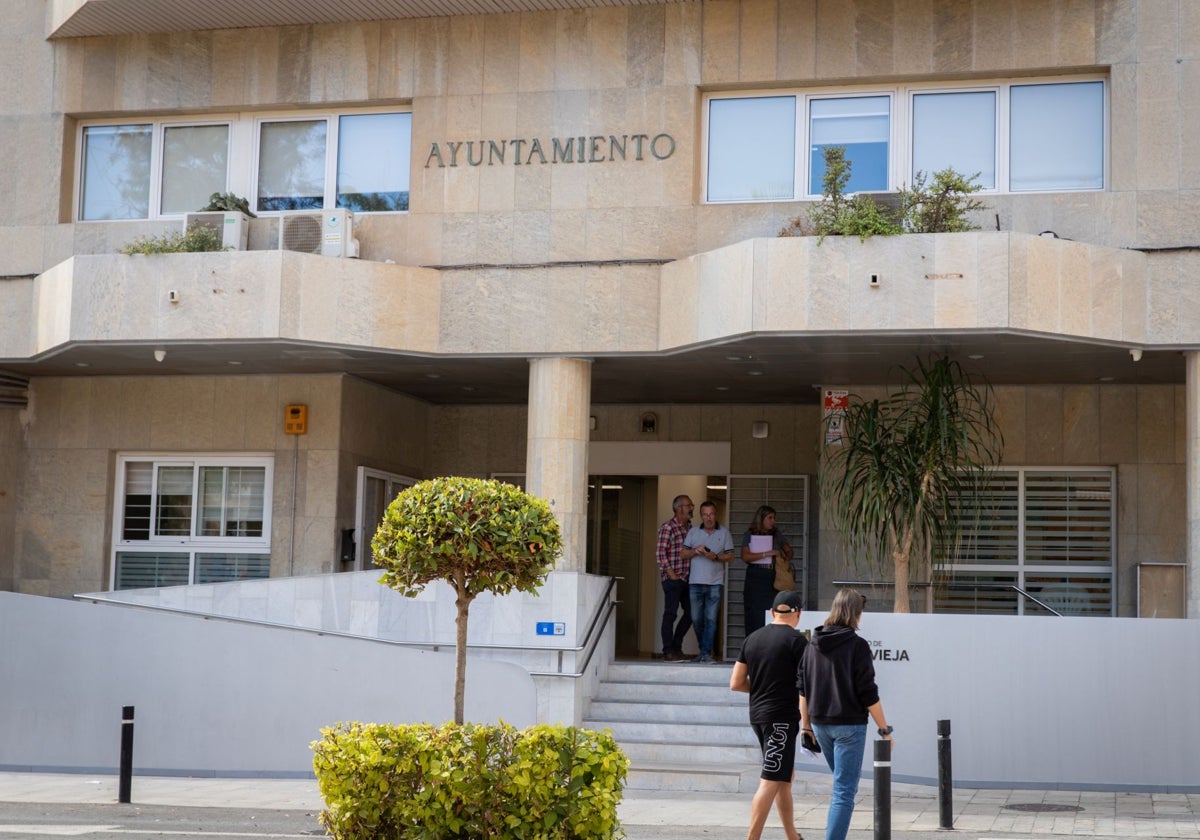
(159, 354)
(760, 429)
(592, 422)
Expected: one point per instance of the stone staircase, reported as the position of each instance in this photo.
(680, 725)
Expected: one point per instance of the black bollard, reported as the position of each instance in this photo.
(945, 779)
(883, 790)
(126, 778)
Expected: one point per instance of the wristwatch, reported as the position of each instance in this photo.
(885, 730)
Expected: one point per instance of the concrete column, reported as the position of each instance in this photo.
(560, 399)
(1192, 364)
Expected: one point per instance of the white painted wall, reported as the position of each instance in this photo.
(1040, 701)
(211, 696)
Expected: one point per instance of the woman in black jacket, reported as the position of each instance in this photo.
(837, 692)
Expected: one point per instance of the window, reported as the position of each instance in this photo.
(1019, 137)
(955, 130)
(1057, 137)
(1048, 532)
(752, 145)
(191, 520)
(862, 126)
(358, 160)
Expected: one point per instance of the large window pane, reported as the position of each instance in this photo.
(373, 159)
(195, 165)
(231, 501)
(752, 148)
(174, 503)
(862, 125)
(116, 172)
(1057, 136)
(291, 165)
(956, 130)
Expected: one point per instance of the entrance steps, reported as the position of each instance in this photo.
(680, 725)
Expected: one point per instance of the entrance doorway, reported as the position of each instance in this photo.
(615, 547)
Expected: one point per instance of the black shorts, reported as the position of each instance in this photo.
(778, 742)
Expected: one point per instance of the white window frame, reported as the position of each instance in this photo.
(192, 544)
(242, 169)
(364, 530)
(900, 170)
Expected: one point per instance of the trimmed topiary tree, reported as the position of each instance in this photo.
(478, 535)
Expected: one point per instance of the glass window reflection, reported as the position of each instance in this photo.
(116, 172)
(752, 149)
(958, 131)
(1056, 137)
(291, 165)
(862, 125)
(373, 160)
(195, 165)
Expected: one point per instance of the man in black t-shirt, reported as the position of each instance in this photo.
(766, 670)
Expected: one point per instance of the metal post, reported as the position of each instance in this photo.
(945, 779)
(123, 789)
(883, 790)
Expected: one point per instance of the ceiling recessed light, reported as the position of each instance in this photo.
(975, 356)
(433, 376)
(734, 358)
(722, 387)
(468, 388)
(234, 362)
(754, 373)
(1106, 379)
(83, 364)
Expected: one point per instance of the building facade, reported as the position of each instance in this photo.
(562, 265)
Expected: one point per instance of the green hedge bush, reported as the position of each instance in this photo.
(469, 782)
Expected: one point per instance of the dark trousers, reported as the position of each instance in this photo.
(758, 594)
(675, 597)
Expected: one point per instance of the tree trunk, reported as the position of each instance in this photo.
(900, 561)
(462, 603)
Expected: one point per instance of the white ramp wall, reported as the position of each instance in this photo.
(212, 697)
(1047, 702)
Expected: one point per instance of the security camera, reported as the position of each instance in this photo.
(1135, 353)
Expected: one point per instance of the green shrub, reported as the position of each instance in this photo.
(196, 238)
(468, 781)
(938, 207)
(227, 201)
(942, 206)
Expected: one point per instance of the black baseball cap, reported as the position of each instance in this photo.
(787, 601)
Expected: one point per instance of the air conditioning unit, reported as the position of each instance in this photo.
(328, 232)
(233, 227)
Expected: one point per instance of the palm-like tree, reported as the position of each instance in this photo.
(909, 467)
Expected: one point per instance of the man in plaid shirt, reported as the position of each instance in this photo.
(674, 570)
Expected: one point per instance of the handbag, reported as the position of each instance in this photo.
(785, 580)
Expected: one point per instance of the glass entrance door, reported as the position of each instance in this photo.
(614, 547)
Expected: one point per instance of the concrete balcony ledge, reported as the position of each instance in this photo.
(993, 282)
(952, 283)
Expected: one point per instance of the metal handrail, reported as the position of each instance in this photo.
(603, 611)
(927, 584)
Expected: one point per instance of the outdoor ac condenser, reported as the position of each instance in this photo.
(233, 227)
(326, 232)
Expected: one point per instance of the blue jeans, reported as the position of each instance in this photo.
(706, 603)
(843, 746)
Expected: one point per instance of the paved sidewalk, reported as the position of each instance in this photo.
(1013, 813)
